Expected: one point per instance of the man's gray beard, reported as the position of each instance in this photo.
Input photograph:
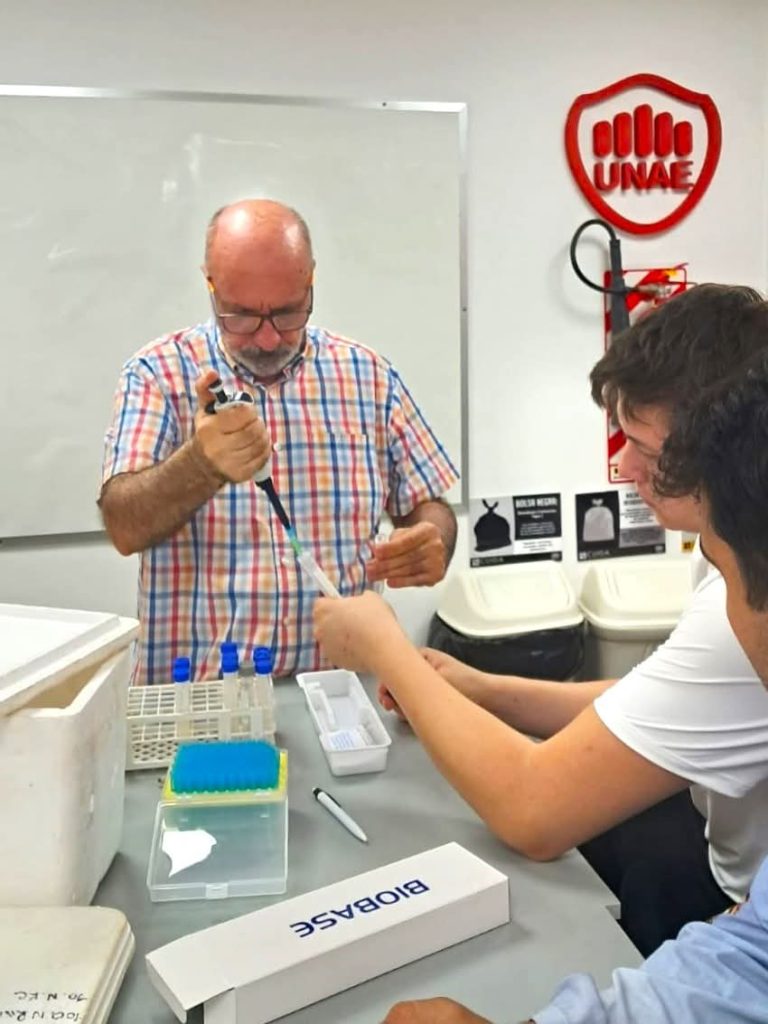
(267, 364)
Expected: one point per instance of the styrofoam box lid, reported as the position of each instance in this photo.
(41, 646)
(59, 951)
(624, 599)
(509, 600)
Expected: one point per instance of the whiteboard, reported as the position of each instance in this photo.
(104, 199)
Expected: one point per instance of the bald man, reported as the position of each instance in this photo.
(347, 441)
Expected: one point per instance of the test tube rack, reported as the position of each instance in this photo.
(156, 726)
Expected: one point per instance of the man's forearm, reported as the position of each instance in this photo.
(477, 753)
(537, 707)
(142, 509)
(539, 798)
(438, 512)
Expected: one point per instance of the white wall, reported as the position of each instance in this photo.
(534, 331)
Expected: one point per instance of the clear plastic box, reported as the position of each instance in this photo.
(218, 850)
(350, 731)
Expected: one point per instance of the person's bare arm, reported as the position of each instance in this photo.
(440, 514)
(418, 552)
(536, 707)
(540, 798)
(142, 509)
(432, 1011)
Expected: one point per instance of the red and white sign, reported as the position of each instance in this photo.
(643, 151)
(661, 284)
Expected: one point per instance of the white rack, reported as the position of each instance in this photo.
(155, 726)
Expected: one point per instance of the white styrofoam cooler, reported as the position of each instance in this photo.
(63, 685)
(630, 607)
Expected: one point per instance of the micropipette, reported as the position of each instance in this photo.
(263, 479)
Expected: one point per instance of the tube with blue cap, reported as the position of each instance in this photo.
(263, 479)
(182, 676)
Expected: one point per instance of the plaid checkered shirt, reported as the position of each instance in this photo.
(349, 442)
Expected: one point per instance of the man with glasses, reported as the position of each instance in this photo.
(346, 440)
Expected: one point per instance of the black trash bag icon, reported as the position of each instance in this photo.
(491, 530)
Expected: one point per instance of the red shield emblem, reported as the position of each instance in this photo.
(649, 153)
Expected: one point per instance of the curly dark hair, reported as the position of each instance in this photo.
(718, 450)
(674, 352)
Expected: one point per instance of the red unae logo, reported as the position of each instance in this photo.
(643, 149)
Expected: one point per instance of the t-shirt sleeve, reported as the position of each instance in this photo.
(144, 427)
(695, 706)
(419, 467)
(714, 972)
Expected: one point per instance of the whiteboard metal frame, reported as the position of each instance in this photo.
(460, 109)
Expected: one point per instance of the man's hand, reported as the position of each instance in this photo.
(352, 630)
(413, 556)
(232, 443)
(432, 1011)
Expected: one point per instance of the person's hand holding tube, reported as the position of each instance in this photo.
(412, 556)
(353, 631)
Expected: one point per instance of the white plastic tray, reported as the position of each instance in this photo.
(351, 733)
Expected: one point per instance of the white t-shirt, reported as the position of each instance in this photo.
(696, 708)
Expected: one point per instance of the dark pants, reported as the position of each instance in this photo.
(657, 865)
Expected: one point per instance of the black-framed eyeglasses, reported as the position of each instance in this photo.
(283, 320)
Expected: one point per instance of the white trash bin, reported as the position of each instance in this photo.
(63, 688)
(630, 606)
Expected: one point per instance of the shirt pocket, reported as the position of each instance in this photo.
(337, 491)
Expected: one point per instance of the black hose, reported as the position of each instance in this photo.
(269, 489)
(617, 289)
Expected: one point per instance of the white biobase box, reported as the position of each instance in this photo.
(63, 684)
(263, 965)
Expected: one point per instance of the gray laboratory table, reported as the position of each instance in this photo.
(560, 917)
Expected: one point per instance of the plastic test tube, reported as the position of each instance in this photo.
(263, 688)
(230, 672)
(182, 695)
(313, 570)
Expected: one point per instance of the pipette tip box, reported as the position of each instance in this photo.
(219, 845)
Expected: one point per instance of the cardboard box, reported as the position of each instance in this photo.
(274, 961)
